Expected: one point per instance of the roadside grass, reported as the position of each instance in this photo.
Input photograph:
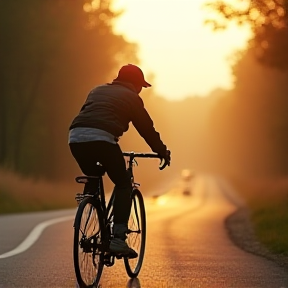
(267, 200)
(19, 194)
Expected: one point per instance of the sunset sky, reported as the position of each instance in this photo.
(185, 57)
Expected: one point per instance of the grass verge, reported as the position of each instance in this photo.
(20, 194)
(268, 203)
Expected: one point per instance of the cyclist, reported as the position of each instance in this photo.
(93, 137)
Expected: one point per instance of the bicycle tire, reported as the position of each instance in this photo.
(136, 237)
(89, 235)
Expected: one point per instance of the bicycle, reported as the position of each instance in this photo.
(93, 228)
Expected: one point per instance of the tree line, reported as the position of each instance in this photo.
(52, 52)
(252, 121)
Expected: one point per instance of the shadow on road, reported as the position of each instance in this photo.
(133, 283)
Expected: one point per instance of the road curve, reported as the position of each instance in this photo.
(187, 246)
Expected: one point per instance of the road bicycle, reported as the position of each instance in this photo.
(93, 228)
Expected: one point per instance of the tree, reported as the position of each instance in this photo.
(254, 120)
(268, 21)
(54, 51)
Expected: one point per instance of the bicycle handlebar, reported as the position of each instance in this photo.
(133, 155)
(142, 155)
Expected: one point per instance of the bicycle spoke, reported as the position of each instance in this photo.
(137, 234)
(87, 246)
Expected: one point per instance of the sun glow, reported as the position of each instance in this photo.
(186, 57)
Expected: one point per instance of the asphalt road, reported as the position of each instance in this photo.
(187, 246)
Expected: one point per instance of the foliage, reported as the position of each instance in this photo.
(268, 21)
(54, 52)
(22, 194)
(267, 200)
(253, 117)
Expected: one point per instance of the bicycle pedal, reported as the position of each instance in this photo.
(108, 259)
(129, 256)
(108, 263)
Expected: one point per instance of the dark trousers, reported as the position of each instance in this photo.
(87, 154)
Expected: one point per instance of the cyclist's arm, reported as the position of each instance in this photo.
(145, 127)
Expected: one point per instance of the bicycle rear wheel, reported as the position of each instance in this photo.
(88, 249)
(136, 236)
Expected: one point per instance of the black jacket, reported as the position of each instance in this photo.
(110, 107)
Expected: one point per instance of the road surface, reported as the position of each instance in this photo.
(187, 246)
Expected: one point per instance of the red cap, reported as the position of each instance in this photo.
(133, 74)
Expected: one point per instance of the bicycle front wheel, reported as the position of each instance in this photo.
(88, 249)
(136, 236)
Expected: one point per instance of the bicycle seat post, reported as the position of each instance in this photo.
(130, 166)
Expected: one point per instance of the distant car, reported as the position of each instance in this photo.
(155, 197)
(187, 192)
(186, 175)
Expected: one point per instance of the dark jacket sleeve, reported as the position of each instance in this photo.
(145, 127)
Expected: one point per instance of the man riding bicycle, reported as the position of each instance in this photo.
(94, 134)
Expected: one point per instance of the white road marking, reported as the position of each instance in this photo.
(34, 235)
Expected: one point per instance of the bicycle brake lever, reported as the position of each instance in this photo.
(161, 167)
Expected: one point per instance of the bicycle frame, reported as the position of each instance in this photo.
(108, 210)
(100, 186)
(98, 244)
(130, 162)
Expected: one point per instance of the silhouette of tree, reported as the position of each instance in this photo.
(52, 52)
(268, 21)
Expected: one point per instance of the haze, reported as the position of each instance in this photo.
(186, 57)
(240, 132)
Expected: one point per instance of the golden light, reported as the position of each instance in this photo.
(254, 14)
(91, 6)
(87, 7)
(186, 57)
(95, 4)
(186, 174)
(162, 200)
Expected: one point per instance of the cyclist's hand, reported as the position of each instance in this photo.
(165, 159)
